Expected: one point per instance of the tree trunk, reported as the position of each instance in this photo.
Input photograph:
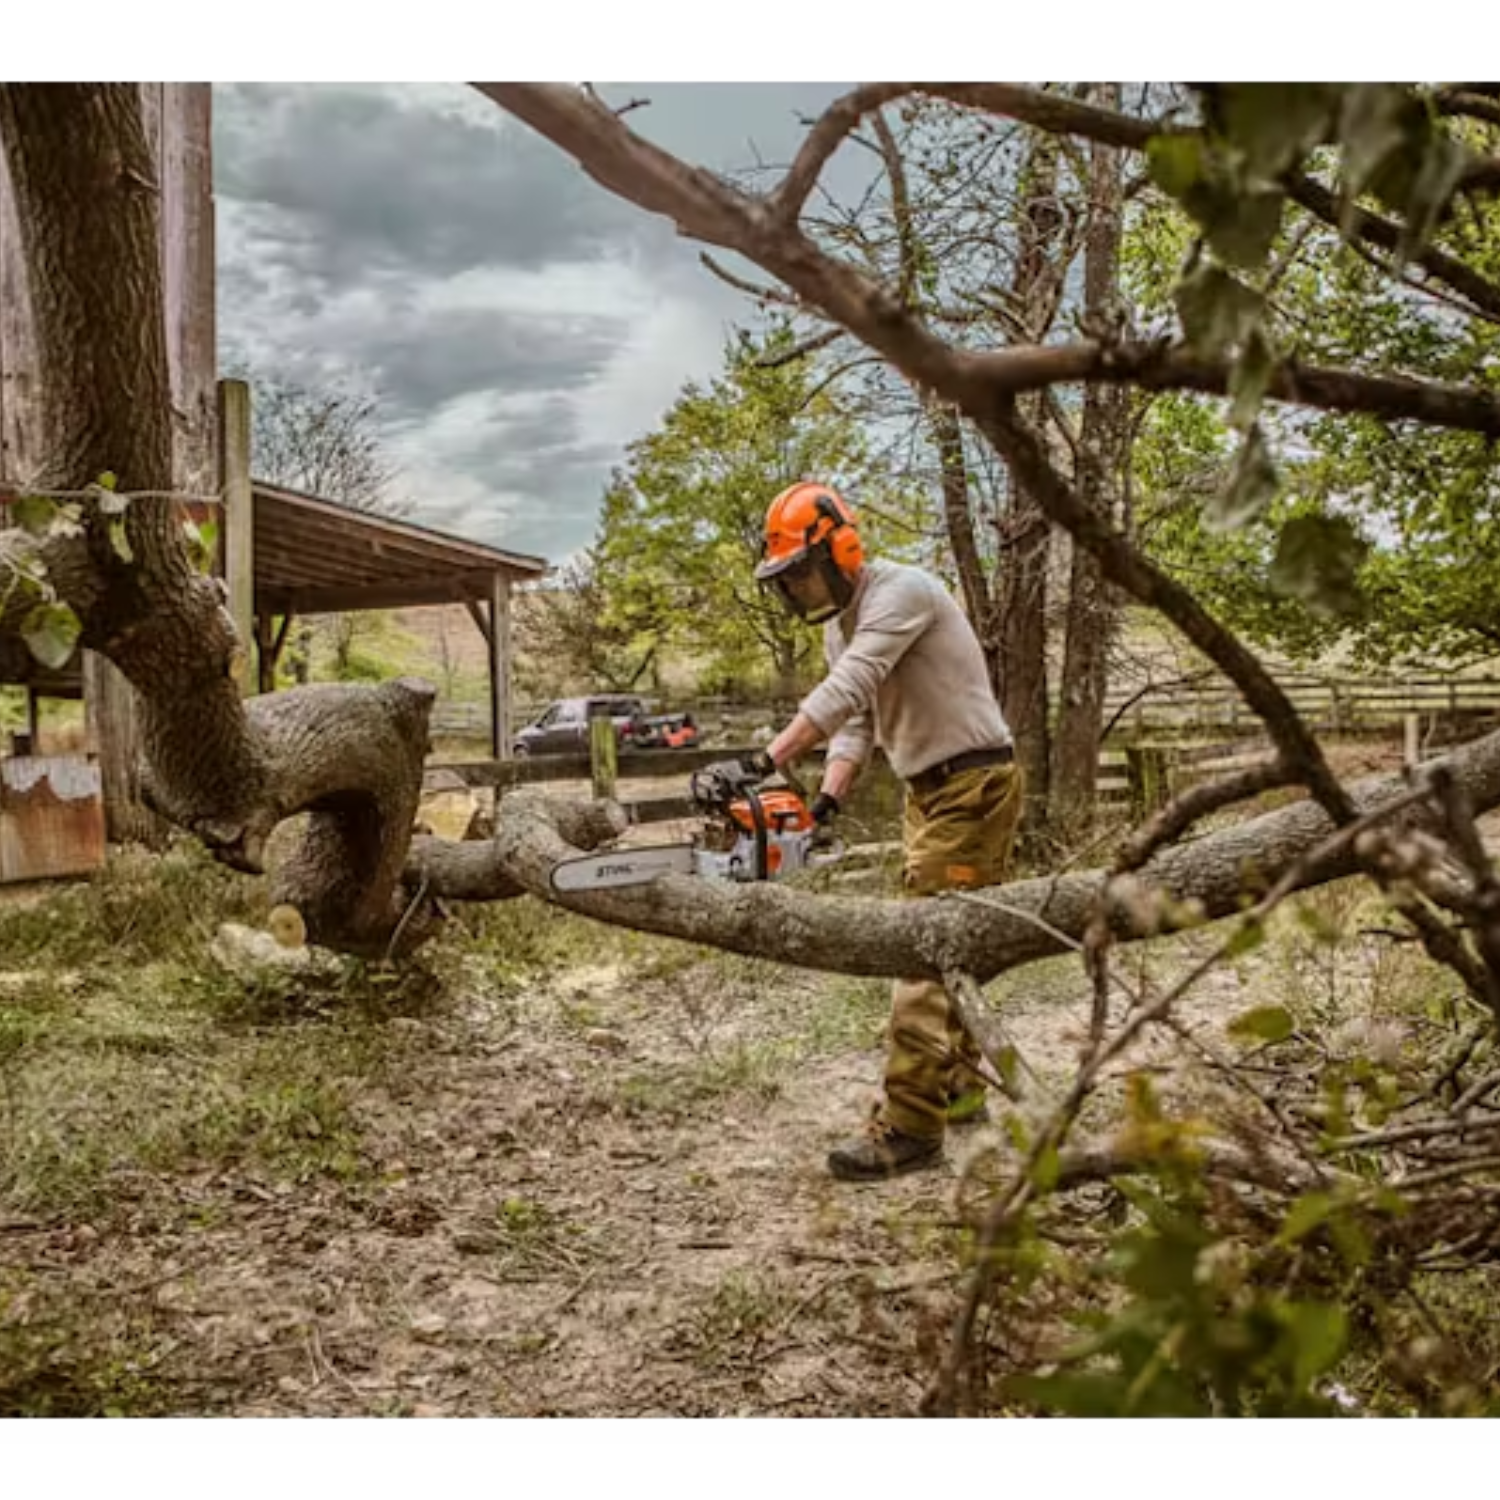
(1102, 455)
(948, 438)
(1025, 533)
(84, 184)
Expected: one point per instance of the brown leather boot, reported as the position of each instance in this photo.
(883, 1152)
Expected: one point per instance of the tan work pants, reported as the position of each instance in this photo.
(957, 836)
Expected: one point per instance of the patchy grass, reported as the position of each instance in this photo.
(87, 1108)
(62, 1356)
(730, 1323)
(142, 908)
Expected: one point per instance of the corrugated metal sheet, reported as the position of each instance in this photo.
(51, 816)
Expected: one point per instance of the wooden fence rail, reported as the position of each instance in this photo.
(1332, 704)
(1139, 776)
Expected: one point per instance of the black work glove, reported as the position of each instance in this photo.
(824, 809)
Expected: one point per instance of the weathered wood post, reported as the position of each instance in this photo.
(1149, 771)
(499, 644)
(603, 754)
(237, 532)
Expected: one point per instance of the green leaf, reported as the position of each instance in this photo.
(1048, 1168)
(1317, 561)
(1176, 163)
(1319, 1331)
(203, 544)
(1305, 1215)
(108, 480)
(1252, 485)
(1250, 378)
(34, 513)
(119, 539)
(1275, 124)
(1373, 123)
(1248, 936)
(1075, 1394)
(1008, 1065)
(50, 632)
(1266, 1023)
(1352, 1242)
(1243, 227)
(1217, 311)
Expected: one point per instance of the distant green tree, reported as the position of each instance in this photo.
(679, 532)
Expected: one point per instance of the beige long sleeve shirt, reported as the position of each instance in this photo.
(906, 673)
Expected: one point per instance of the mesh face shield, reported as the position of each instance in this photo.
(809, 585)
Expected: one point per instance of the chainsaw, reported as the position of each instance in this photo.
(749, 831)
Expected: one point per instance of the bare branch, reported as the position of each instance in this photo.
(1172, 821)
(1055, 113)
(750, 288)
(1158, 367)
(800, 350)
(1486, 898)
(1471, 105)
(822, 141)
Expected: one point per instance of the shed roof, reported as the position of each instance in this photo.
(315, 557)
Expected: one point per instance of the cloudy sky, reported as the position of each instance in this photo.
(519, 323)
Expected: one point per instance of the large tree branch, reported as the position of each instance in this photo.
(1371, 228)
(88, 213)
(705, 207)
(983, 933)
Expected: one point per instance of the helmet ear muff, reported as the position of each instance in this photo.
(842, 539)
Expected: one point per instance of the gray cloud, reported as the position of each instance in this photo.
(519, 322)
(425, 362)
(347, 180)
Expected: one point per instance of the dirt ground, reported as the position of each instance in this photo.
(580, 1175)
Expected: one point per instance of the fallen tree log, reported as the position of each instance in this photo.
(984, 933)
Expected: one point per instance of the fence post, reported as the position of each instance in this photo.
(1149, 771)
(603, 763)
(1413, 749)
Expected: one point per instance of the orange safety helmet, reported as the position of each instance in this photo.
(811, 529)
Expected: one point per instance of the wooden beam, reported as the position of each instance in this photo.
(265, 655)
(238, 527)
(316, 599)
(400, 535)
(604, 751)
(481, 622)
(628, 764)
(499, 643)
(279, 643)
